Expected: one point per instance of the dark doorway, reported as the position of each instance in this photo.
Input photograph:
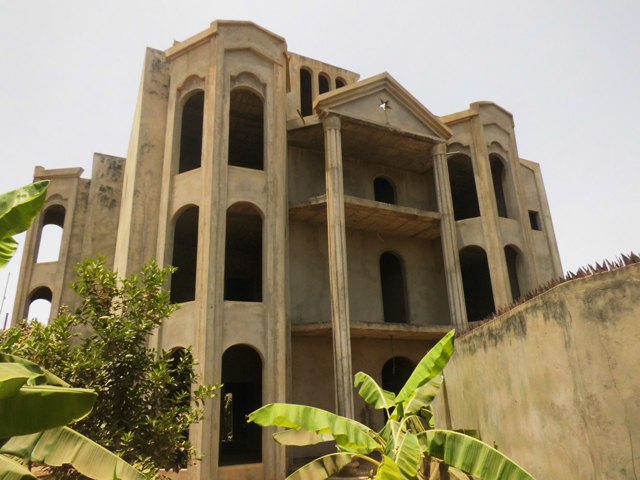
(340, 82)
(243, 254)
(323, 83)
(306, 97)
(185, 256)
(240, 442)
(498, 177)
(511, 256)
(181, 368)
(191, 133)
(383, 191)
(476, 282)
(394, 301)
(463, 187)
(246, 130)
(395, 373)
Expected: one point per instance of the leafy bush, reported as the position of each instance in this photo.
(145, 400)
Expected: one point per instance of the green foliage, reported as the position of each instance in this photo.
(18, 209)
(406, 445)
(144, 405)
(34, 407)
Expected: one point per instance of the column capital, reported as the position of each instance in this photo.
(331, 122)
(439, 149)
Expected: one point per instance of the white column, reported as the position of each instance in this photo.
(338, 267)
(453, 276)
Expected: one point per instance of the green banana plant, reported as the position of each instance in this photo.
(35, 407)
(18, 209)
(407, 447)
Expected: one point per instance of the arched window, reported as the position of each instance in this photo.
(246, 130)
(383, 191)
(513, 260)
(340, 82)
(51, 234)
(191, 133)
(181, 368)
(185, 256)
(39, 306)
(243, 254)
(323, 83)
(240, 442)
(476, 282)
(498, 177)
(394, 301)
(395, 373)
(463, 187)
(306, 97)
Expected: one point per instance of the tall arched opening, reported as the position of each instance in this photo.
(324, 84)
(191, 132)
(39, 305)
(513, 268)
(185, 256)
(395, 373)
(394, 296)
(463, 187)
(240, 442)
(246, 130)
(243, 254)
(384, 191)
(498, 177)
(306, 97)
(476, 282)
(50, 241)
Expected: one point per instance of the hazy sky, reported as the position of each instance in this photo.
(569, 71)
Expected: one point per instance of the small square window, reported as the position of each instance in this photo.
(534, 219)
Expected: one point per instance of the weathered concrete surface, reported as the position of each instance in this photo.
(554, 383)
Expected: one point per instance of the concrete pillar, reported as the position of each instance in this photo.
(336, 229)
(532, 270)
(453, 276)
(488, 211)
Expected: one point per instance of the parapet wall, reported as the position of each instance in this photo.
(555, 383)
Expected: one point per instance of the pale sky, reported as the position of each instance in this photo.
(568, 71)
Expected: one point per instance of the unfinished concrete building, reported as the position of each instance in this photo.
(321, 224)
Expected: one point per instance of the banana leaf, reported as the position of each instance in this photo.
(60, 446)
(8, 248)
(350, 435)
(388, 470)
(12, 377)
(372, 393)
(12, 470)
(471, 456)
(429, 367)
(39, 376)
(19, 207)
(35, 408)
(423, 396)
(406, 454)
(297, 438)
(322, 468)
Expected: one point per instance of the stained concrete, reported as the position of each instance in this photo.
(554, 382)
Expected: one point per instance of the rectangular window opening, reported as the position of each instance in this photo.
(534, 219)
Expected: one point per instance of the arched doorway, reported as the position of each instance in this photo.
(240, 442)
(476, 282)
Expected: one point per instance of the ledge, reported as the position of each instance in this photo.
(372, 216)
(402, 331)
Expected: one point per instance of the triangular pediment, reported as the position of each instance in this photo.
(382, 100)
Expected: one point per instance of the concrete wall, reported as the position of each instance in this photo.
(554, 383)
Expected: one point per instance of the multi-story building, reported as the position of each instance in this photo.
(321, 224)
